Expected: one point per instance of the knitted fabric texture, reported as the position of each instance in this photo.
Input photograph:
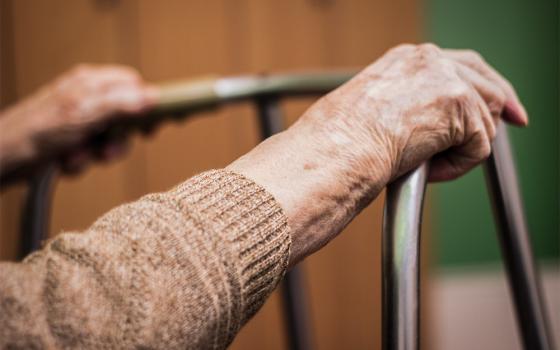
(181, 269)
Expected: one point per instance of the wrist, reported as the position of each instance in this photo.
(319, 179)
(345, 138)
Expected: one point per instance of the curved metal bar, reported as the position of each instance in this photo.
(516, 245)
(401, 241)
(401, 260)
(36, 213)
(180, 97)
(193, 93)
(192, 96)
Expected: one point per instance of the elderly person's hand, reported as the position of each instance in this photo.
(64, 114)
(168, 257)
(413, 104)
(419, 102)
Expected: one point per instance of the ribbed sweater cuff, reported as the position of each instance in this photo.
(251, 222)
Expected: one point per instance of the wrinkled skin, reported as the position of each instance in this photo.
(63, 114)
(418, 101)
(415, 103)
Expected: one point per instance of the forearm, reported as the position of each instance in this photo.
(181, 269)
(321, 177)
(416, 103)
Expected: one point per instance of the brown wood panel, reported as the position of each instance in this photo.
(49, 38)
(10, 198)
(7, 76)
(182, 38)
(185, 39)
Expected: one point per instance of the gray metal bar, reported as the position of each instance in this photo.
(401, 261)
(516, 245)
(402, 218)
(401, 244)
(203, 91)
(36, 213)
(296, 305)
(179, 97)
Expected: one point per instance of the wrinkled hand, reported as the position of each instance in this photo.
(65, 113)
(419, 102)
(413, 104)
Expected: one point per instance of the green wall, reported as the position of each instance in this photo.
(520, 38)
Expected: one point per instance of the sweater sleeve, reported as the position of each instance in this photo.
(181, 269)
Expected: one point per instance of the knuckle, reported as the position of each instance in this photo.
(126, 71)
(492, 134)
(402, 48)
(80, 75)
(460, 93)
(483, 145)
(405, 46)
(496, 107)
(459, 106)
(428, 48)
(485, 148)
(133, 74)
(426, 54)
(423, 57)
(473, 56)
(501, 98)
(82, 69)
(69, 107)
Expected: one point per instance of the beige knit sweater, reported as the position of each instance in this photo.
(175, 270)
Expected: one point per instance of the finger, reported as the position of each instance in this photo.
(480, 118)
(113, 150)
(492, 94)
(391, 57)
(458, 160)
(102, 73)
(514, 111)
(488, 121)
(110, 78)
(120, 72)
(100, 93)
(128, 99)
(91, 79)
(150, 128)
(76, 161)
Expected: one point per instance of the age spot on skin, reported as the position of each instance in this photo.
(309, 166)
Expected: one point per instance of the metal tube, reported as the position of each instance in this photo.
(180, 97)
(191, 93)
(516, 245)
(296, 306)
(402, 219)
(36, 213)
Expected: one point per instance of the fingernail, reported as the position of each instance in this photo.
(524, 113)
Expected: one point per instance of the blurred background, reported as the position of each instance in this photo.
(465, 298)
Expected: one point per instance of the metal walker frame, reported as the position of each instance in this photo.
(402, 215)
